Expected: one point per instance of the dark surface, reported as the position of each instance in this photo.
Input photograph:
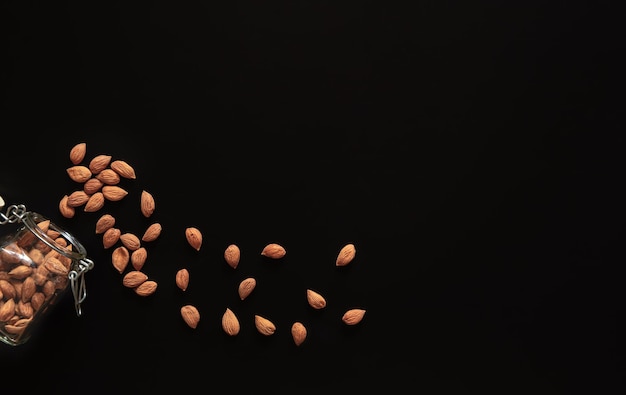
(472, 152)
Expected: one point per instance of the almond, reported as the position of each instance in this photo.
(190, 315)
(152, 233)
(134, 278)
(246, 287)
(20, 272)
(55, 266)
(264, 326)
(77, 153)
(120, 258)
(108, 177)
(28, 289)
(147, 204)
(104, 223)
(353, 316)
(274, 251)
(298, 333)
(138, 258)
(123, 169)
(65, 209)
(92, 186)
(130, 241)
(79, 173)
(346, 255)
(146, 288)
(95, 202)
(114, 193)
(230, 323)
(232, 255)
(7, 310)
(99, 163)
(194, 237)
(315, 300)
(182, 279)
(77, 198)
(110, 237)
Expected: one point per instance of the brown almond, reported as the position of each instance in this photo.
(120, 258)
(134, 278)
(138, 258)
(108, 177)
(146, 288)
(152, 232)
(190, 315)
(147, 204)
(194, 237)
(92, 186)
(315, 300)
(230, 323)
(123, 169)
(110, 237)
(55, 266)
(77, 198)
(99, 163)
(65, 210)
(28, 289)
(246, 286)
(298, 333)
(274, 251)
(95, 202)
(130, 241)
(182, 279)
(7, 289)
(104, 223)
(20, 272)
(264, 326)
(346, 255)
(77, 153)
(114, 193)
(7, 310)
(353, 316)
(79, 173)
(232, 255)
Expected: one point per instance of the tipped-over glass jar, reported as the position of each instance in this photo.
(39, 262)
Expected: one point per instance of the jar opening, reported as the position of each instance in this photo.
(32, 220)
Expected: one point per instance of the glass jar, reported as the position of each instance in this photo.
(39, 262)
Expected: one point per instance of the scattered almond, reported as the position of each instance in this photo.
(246, 287)
(315, 300)
(190, 315)
(147, 204)
(104, 223)
(152, 232)
(120, 258)
(346, 255)
(182, 279)
(114, 193)
(123, 169)
(353, 316)
(138, 258)
(130, 241)
(108, 177)
(298, 333)
(79, 173)
(264, 326)
(110, 237)
(66, 211)
(230, 323)
(95, 202)
(146, 288)
(77, 153)
(232, 254)
(92, 186)
(77, 198)
(274, 251)
(194, 237)
(134, 278)
(99, 163)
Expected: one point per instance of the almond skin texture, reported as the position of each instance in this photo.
(190, 315)
(230, 323)
(64, 209)
(353, 316)
(274, 251)
(315, 300)
(123, 169)
(194, 237)
(232, 255)
(92, 186)
(95, 203)
(134, 278)
(114, 193)
(147, 204)
(152, 232)
(99, 163)
(120, 258)
(264, 326)
(130, 241)
(77, 198)
(138, 258)
(110, 237)
(298, 333)
(108, 177)
(146, 288)
(79, 173)
(77, 153)
(246, 287)
(346, 255)
(104, 223)
(182, 279)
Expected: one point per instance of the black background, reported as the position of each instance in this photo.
(472, 151)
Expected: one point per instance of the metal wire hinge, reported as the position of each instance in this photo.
(77, 281)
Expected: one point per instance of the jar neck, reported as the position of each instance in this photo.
(31, 221)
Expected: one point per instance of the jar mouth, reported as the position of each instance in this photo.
(78, 251)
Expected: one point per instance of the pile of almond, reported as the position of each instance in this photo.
(99, 179)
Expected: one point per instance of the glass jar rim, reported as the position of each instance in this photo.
(31, 219)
